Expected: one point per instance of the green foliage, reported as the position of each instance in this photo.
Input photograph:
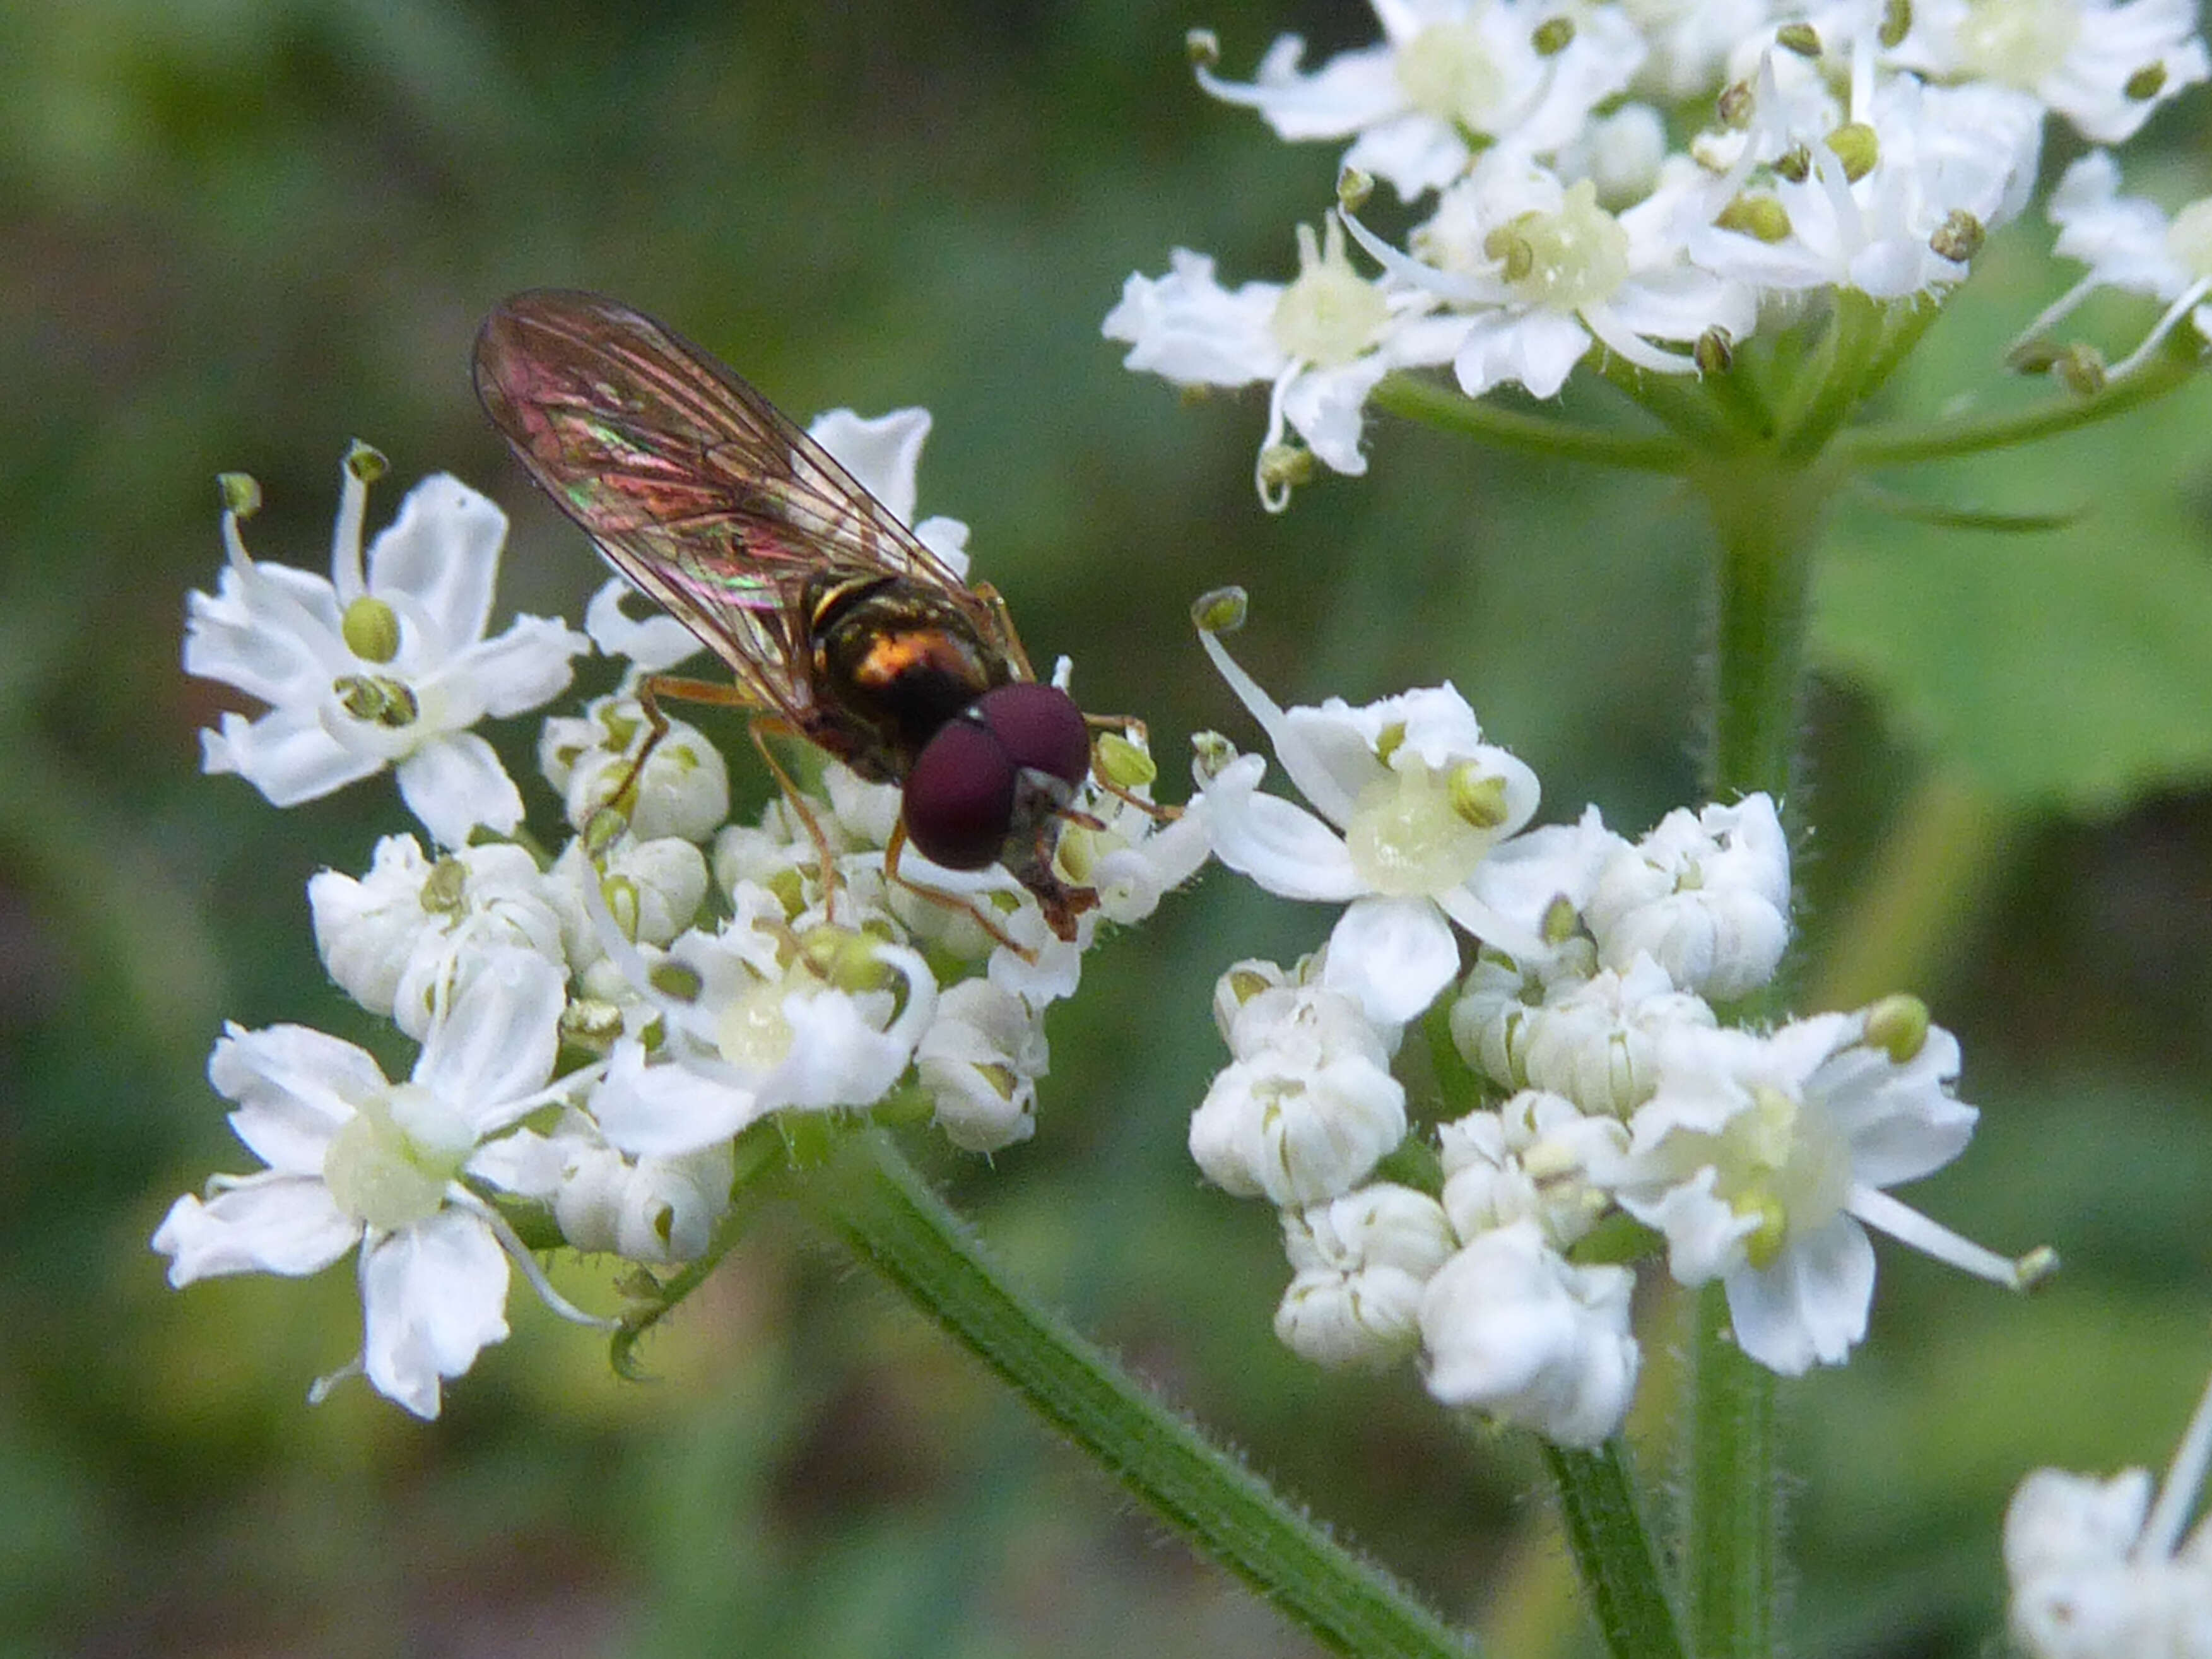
(2064, 671)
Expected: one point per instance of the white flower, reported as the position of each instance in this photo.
(1306, 1110)
(1540, 273)
(1530, 1160)
(2129, 243)
(355, 1161)
(653, 1210)
(1359, 1263)
(1893, 203)
(2098, 1572)
(1320, 344)
(1420, 801)
(399, 940)
(1513, 1328)
(1688, 43)
(1445, 72)
(748, 1032)
(2103, 66)
(979, 1060)
(1760, 1158)
(1494, 1012)
(1596, 1042)
(1705, 895)
(389, 668)
(683, 789)
(651, 889)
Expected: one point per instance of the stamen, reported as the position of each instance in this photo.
(1908, 1226)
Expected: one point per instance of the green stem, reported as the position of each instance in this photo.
(1850, 350)
(1732, 1517)
(881, 1207)
(1598, 1506)
(1417, 399)
(1768, 518)
(1901, 443)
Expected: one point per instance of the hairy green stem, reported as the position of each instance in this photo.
(1424, 401)
(1903, 443)
(1732, 1518)
(1767, 518)
(1598, 1505)
(886, 1213)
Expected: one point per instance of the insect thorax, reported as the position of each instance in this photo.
(900, 659)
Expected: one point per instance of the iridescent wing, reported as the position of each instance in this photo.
(692, 483)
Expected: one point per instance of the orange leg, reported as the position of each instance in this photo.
(948, 901)
(722, 694)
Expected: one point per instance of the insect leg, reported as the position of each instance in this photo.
(761, 725)
(948, 901)
(650, 690)
(989, 595)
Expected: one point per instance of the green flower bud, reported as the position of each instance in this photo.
(1801, 38)
(2146, 83)
(1478, 797)
(1220, 611)
(1758, 217)
(674, 979)
(241, 494)
(377, 699)
(1898, 1026)
(1121, 762)
(370, 629)
(445, 888)
(1959, 237)
(366, 464)
(1857, 146)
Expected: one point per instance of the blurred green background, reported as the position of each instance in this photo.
(243, 232)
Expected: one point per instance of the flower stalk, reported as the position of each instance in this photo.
(873, 1199)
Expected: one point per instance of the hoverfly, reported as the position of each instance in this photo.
(839, 626)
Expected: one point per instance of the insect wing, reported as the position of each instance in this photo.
(691, 483)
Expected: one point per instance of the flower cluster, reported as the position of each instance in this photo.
(1647, 187)
(1600, 1110)
(597, 1026)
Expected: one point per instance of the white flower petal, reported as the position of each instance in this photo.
(522, 668)
(496, 1044)
(883, 453)
(294, 1087)
(269, 1223)
(286, 755)
(1286, 848)
(1392, 956)
(1811, 1305)
(434, 1295)
(452, 784)
(666, 1110)
(655, 644)
(442, 550)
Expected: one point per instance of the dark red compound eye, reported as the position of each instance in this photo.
(960, 796)
(1040, 727)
